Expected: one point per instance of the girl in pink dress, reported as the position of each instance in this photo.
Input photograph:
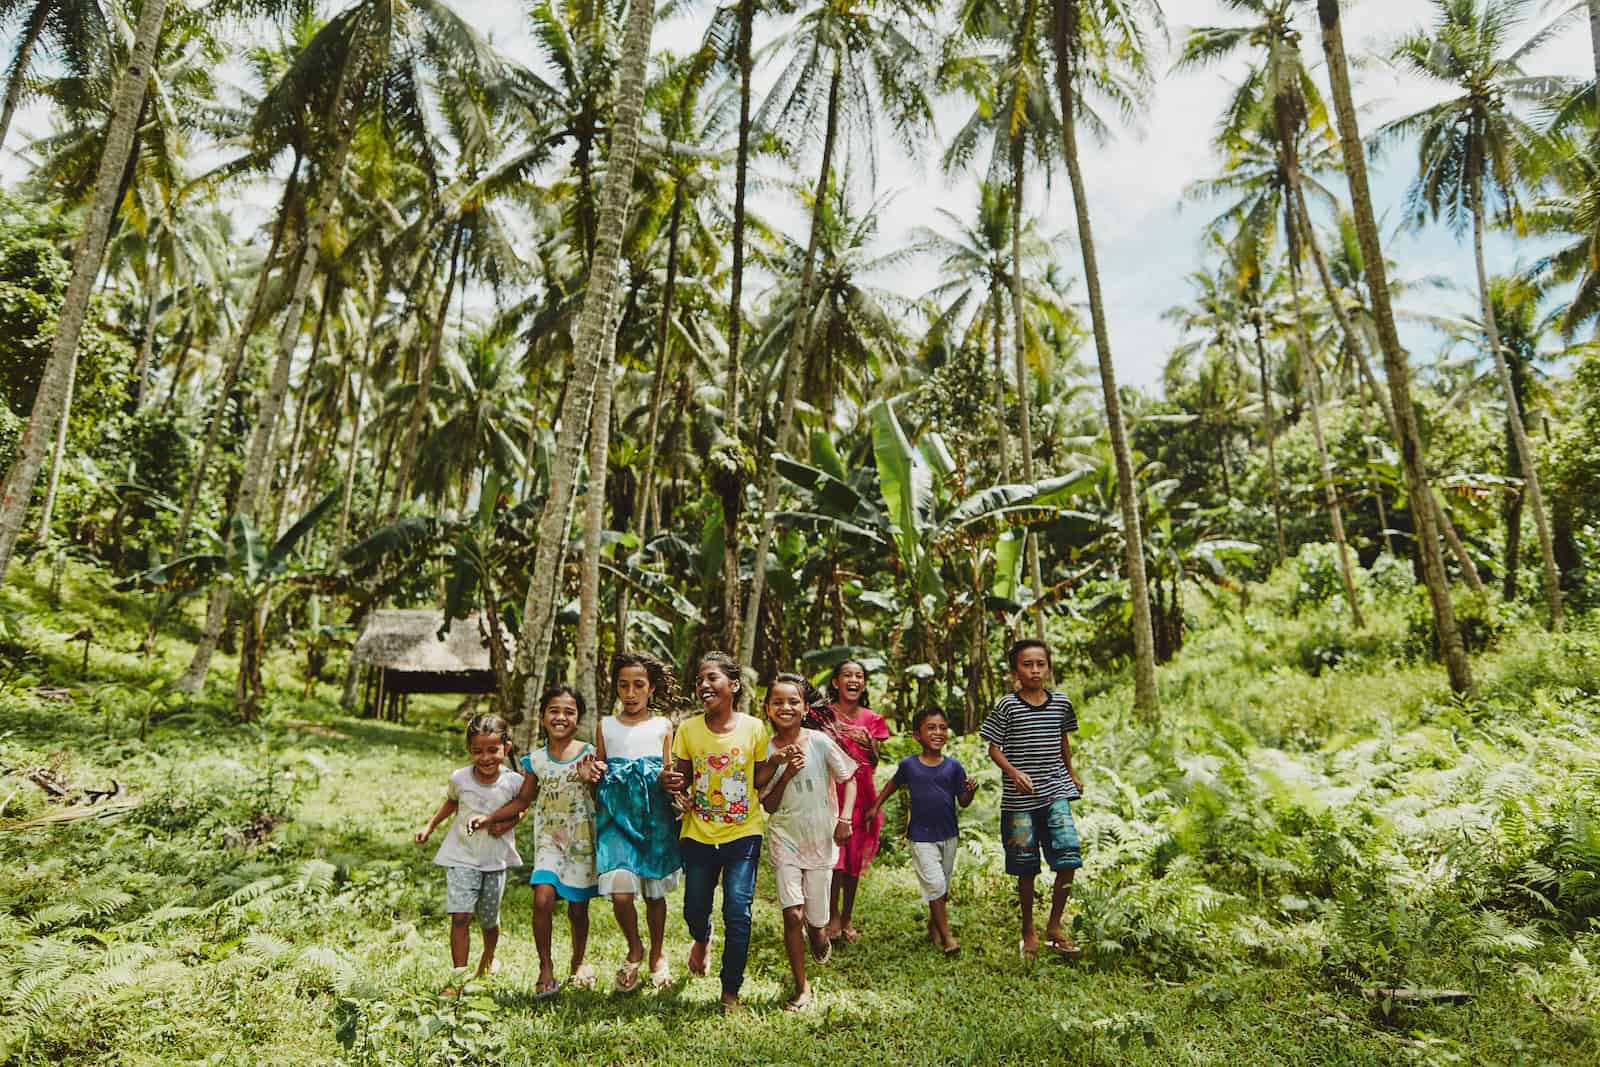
(858, 730)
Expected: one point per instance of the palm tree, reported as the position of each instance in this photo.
(75, 30)
(853, 64)
(1277, 104)
(1091, 42)
(591, 359)
(50, 402)
(1396, 370)
(1015, 111)
(1470, 149)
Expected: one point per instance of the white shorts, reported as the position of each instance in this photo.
(614, 882)
(805, 885)
(934, 862)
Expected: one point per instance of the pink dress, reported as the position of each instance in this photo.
(856, 853)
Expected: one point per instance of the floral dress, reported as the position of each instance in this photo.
(563, 826)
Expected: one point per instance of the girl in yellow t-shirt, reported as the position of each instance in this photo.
(720, 766)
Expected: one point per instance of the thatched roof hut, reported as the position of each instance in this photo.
(404, 654)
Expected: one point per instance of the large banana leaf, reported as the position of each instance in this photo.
(825, 487)
(399, 536)
(1007, 554)
(245, 554)
(906, 484)
(277, 557)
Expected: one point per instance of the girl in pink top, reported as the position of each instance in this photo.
(858, 730)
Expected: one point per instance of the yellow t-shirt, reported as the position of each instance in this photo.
(725, 805)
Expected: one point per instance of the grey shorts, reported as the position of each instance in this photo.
(467, 889)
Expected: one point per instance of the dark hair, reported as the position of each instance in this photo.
(924, 714)
(1020, 646)
(560, 691)
(490, 723)
(790, 678)
(729, 665)
(833, 682)
(664, 688)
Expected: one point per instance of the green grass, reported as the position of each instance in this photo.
(1279, 842)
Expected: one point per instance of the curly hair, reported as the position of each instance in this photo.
(666, 695)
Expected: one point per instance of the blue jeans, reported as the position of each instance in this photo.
(735, 863)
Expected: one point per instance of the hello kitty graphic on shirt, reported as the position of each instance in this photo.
(721, 792)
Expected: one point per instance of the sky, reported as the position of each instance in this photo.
(1147, 237)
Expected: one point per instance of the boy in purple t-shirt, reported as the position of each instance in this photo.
(937, 784)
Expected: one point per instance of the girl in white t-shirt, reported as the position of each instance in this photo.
(475, 860)
(806, 825)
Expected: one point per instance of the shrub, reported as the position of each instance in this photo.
(1479, 617)
(1319, 578)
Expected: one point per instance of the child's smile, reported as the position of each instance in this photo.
(786, 707)
(561, 717)
(852, 682)
(488, 752)
(712, 685)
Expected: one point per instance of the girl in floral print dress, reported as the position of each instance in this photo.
(559, 782)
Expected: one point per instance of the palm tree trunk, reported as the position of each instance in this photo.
(1270, 430)
(230, 375)
(184, 343)
(791, 374)
(730, 416)
(1594, 43)
(298, 435)
(19, 67)
(1002, 434)
(589, 356)
(1330, 495)
(49, 403)
(352, 458)
(658, 382)
(594, 507)
(1358, 349)
(1019, 347)
(1065, 38)
(57, 458)
(425, 373)
(147, 343)
(1394, 359)
(1530, 461)
(256, 455)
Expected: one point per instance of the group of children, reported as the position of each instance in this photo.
(648, 806)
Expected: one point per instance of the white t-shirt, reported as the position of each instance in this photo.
(648, 738)
(800, 832)
(481, 850)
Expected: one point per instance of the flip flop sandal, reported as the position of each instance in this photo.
(797, 1004)
(827, 953)
(628, 976)
(952, 952)
(582, 978)
(661, 977)
(546, 994)
(1064, 948)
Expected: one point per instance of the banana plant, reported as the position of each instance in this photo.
(254, 570)
(909, 503)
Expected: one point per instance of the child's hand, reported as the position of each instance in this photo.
(591, 770)
(842, 829)
(422, 835)
(795, 757)
(1077, 782)
(476, 823)
(671, 780)
(969, 787)
(1023, 783)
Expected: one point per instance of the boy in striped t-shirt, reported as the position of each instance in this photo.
(1029, 740)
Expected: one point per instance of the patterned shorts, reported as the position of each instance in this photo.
(467, 889)
(1050, 830)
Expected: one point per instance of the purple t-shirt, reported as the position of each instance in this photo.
(933, 796)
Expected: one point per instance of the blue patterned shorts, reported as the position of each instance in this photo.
(1051, 830)
(467, 889)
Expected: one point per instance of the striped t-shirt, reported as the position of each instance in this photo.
(1030, 736)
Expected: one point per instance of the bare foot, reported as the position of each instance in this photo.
(697, 957)
(833, 931)
(951, 947)
(850, 934)
(1029, 946)
(800, 1001)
